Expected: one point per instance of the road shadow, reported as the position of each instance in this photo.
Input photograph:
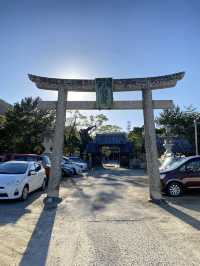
(104, 198)
(190, 200)
(186, 218)
(38, 245)
(12, 210)
(124, 176)
(180, 207)
(93, 201)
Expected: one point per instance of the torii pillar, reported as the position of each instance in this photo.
(146, 85)
(151, 147)
(58, 142)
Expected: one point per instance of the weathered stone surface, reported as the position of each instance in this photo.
(131, 84)
(151, 147)
(58, 141)
(104, 93)
(117, 105)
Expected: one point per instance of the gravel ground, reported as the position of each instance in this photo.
(104, 219)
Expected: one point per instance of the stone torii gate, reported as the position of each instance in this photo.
(104, 90)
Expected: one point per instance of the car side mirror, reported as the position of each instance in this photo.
(38, 168)
(31, 172)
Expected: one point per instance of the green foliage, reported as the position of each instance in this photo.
(181, 122)
(25, 125)
(2, 121)
(76, 122)
(108, 129)
(135, 136)
(72, 140)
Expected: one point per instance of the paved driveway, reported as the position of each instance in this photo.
(104, 219)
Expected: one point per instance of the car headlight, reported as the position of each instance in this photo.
(162, 176)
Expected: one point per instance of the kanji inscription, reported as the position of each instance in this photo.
(104, 93)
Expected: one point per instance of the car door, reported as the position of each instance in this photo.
(190, 172)
(32, 177)
(39, 175)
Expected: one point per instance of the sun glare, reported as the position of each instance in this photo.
(76, 71)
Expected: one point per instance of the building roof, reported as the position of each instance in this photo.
(111, 138)
(4, 107)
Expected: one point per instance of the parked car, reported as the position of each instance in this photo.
(182, 174)
(66, 170)
(19, 178)
(44, 159)
(72, 165)
(168, 162)
(79, 162)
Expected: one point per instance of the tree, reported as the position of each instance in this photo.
(181, 122)
(2, 133)
(25, 125)
(136, 137)
(77, 125)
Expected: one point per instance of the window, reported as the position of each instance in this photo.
(45, 160)
(37, 167)
(192, 166)
(20, 158)
(13, 168)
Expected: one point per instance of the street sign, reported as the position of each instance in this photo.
(104, 93)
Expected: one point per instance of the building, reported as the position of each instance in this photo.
(110, 147)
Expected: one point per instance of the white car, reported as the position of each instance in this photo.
(79, 162)
(19, 178)
(70, 164)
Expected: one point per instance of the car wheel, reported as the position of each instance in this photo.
(44, 184)
(25, 192)
(174, 189)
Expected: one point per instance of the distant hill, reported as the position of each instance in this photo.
(4, 106)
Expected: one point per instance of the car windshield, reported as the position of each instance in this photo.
(66, 160)
(13, 168)
(76, 159)
(168, 162)
(176, 164)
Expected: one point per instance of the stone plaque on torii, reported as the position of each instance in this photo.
(104, 88)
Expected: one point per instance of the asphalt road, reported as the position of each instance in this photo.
(104, 219)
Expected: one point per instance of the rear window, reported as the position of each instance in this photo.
(13, 168)
(26, 158)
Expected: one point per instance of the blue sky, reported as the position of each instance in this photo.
(88, 39)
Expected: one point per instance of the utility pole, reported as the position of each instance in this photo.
(128, 126)
(196, 137)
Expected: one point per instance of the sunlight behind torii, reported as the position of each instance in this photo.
(76, 71)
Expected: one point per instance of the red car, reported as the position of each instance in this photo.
(182, 174)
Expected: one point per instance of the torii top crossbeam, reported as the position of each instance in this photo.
(88, 85)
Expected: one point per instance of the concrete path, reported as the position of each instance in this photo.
(104, 219)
